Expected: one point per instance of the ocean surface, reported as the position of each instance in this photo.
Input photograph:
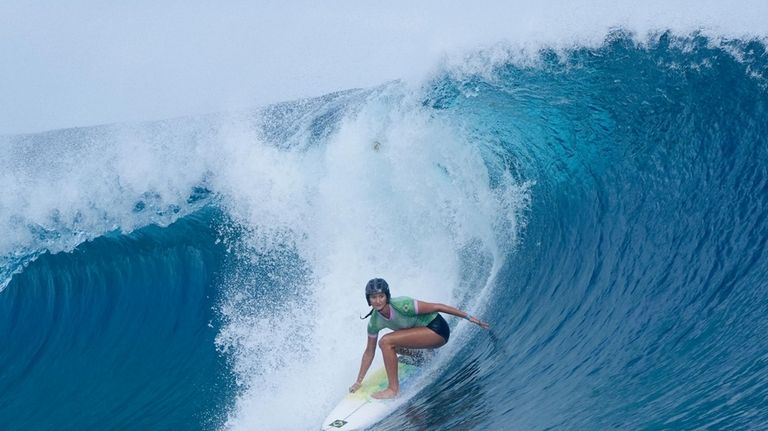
(604, 207)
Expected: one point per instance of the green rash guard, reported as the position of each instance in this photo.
(404, 313)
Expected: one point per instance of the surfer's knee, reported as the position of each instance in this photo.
(386, 342)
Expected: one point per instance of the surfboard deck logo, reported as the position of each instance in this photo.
(338, 423)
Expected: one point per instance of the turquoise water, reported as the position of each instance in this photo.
(604, 208)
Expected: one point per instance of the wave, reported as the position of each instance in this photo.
(636, 295)
(603, 206)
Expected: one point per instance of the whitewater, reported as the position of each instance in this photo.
(604, 205)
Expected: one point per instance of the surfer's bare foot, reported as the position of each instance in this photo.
(385, 394)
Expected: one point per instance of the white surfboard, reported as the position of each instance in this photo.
(358, 410)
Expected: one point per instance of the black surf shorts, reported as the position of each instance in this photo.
(440, 326)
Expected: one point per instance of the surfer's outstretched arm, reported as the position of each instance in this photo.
(428, 307)
(365, 363)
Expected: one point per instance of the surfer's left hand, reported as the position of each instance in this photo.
(355, 386)
(479, 322)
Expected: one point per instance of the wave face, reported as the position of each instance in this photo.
(603, 207)
(116, 334)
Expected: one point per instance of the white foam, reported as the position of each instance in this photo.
(394, 193)
(67, 187)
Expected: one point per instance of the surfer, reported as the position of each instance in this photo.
(415, 324)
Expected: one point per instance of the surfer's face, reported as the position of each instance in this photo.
(378, 300)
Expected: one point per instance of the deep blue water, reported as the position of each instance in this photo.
(115, 334)
(631, 291)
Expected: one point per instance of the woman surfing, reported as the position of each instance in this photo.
(415, 325)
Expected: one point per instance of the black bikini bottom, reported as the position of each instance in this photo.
(440, 326)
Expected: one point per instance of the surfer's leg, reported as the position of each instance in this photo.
(412, 338)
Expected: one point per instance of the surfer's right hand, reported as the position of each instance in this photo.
(355, 386)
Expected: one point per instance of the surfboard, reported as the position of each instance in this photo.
(358, 410)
